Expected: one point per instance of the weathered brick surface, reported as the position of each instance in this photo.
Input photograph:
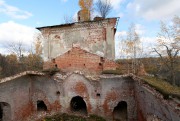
(76, 85)
(48, 65)
(109, 65)
(96, 36)
(78, 59)
(16, 94)
(115, 90)
(101, 97)
(152, 106)
(81, 60)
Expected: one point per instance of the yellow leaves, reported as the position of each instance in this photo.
(82, 4)
(130, 44)
(129, 47)
(86, 6)
(11, 58)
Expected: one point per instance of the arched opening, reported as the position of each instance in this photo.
(41, 106)
(5, 111)
(78, 105)
(120, 112)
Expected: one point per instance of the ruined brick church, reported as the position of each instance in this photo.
(86, 46)
(82, 50)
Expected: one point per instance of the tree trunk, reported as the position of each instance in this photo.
(173, 74)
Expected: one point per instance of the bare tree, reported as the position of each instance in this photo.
(16, 48)
(103, 7)
(131, 47)
(169, 45)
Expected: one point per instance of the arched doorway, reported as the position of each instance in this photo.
(78, 105)
(120, 112)
(41, 106)
(5, 111)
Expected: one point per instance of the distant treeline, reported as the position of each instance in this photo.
(11, 64)
(153, 66)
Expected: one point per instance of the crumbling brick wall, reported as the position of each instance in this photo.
(109, 65)
(81, 60)
(78, 59)
(96, 36)
(101, 96)
(152, 107)
(49, 65)
(16, 93)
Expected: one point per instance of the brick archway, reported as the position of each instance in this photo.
(78, 105)
(41, 106)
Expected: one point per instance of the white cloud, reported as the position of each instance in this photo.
(140, 29)
(147, 44)
(12, 32)
(149, 41)
(115, 3)
(120, 34)
(155, 10)
(13, 11)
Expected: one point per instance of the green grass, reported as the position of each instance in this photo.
(66, 117)
(163, 87)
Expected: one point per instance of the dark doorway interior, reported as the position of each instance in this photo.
(5, 111)
(41, 106)
(1, 113)
(120, 112)
(78, 105)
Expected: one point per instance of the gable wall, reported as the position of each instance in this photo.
(96, 37)
(78, 59)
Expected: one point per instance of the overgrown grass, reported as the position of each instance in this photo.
(66, 117)
(163, 87)
(95, 118)
(115, 72)
(51, 71)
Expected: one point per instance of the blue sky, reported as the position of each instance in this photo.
(18, 18)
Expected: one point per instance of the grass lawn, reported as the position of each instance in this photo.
(162, 86)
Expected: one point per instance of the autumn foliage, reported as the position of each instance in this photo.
(86, 7)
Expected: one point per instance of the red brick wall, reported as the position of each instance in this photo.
(109, 65)
(81, 60)
(78, 59)
(48, 65)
